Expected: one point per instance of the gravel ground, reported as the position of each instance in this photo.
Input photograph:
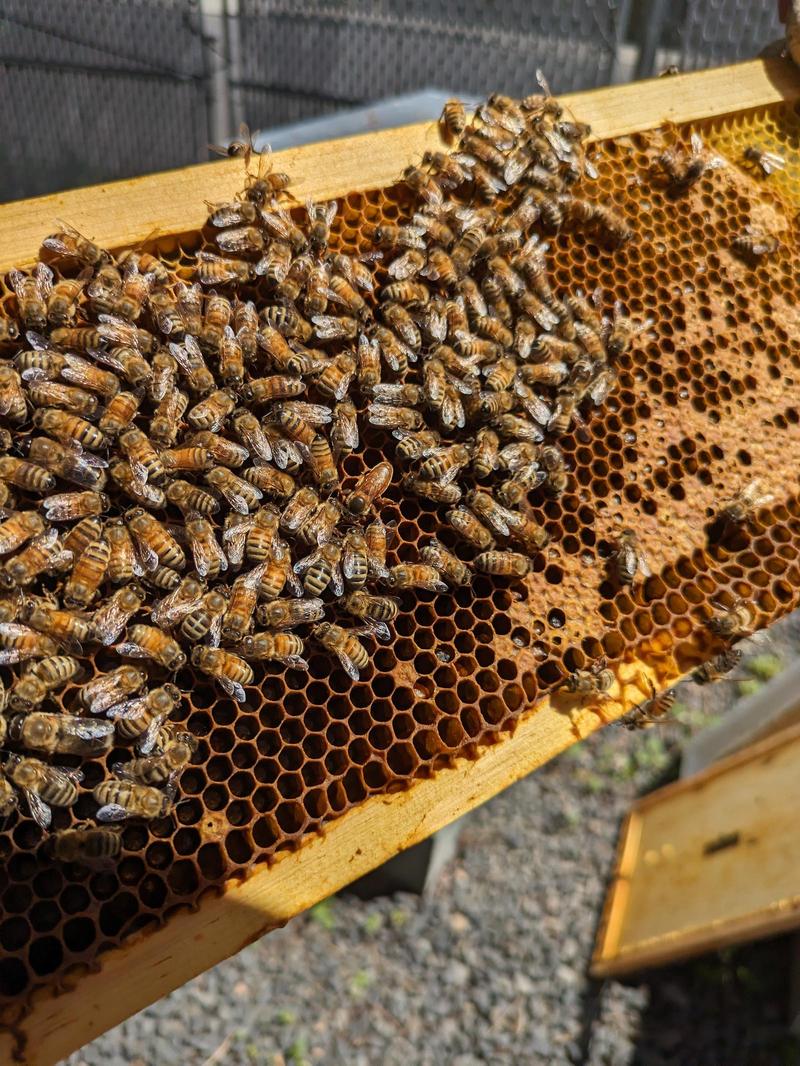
(491, 968)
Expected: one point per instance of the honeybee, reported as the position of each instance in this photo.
(109, 620)
(68, 506)
(504, 563)
(216, 269)
(18, 643)
(249, 430)
(61, 734)
(275, 262)
(276, 647)
(289, 613)
(13, 403)
(242, 603)
(43, 554)
(449, 565)
(594, 683)
(322, 464)
(53, 393)
(125, 799)
(375, 611)
(8, 797)
(683, 170)
(82, 534)
(87, 574)
(209, 558)
(715, 669)
(189, 358)
(742, 507)
(391, 236)
(232, 672)
(212, 412)
(119, 413)
(414, 444)
(71, 244)
(551, 459)
(107, 690)
(189, 497)
(9, 332)
(629, 558)
(39, 680)
(18, 529)
(322, 568)
(192, 459)
(27, 476)
(88, 845)
(470, 528)
(345, 645)
(223, 451)
(415, 575)
(240, 494)
(142, 457)
(344, 430)
(166, 419)
(147, 642)
(144, 716)
(205, 617)
(43, 786)
(68, 428)
(754, 243)
(436, 491)
(766, 162)
(69, 461)
(141, 492)
(732, 622)
(444, 464)
(336, 376)
(453, 120)
(155, 542)
(653, 711)
(391, 417)
(319, 527)
(66, 627)
(161, 769)
(494, 515)
(377, 536)
(32, 291)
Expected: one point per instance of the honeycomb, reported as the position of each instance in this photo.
(707, 401)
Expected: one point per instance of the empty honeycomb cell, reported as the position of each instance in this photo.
(182, 878)
(14, 934)
(238, 846)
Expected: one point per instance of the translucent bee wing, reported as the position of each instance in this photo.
(302, 565)
(644, 565)
(111, 812)
(337, 581)
(214, 635)
(404, 266)
(517, 164)
(376, 629)
(234, 539)
(148, 741)
(15, 629)
(38, 342)
(294, 585)
(109, 620)
(147, 554)
(119, 769)
(36, 373)
(330, 327)
(233, 688)
(174, 607)
(237, 502)
(257, 443)
(295, 660)
(349, 666)
(127, 709)
(85, 729)
(55, 244)
(131, 650)
(40, 811)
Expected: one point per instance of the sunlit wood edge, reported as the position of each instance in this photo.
(127, 212)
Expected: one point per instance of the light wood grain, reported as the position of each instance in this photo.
(674, 895)
(127, 212)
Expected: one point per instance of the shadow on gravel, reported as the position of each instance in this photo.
(730, 1008)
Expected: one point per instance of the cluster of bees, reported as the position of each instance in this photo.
(172, 476)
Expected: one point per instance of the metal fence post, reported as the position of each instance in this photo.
(651, 38)
(213, 22)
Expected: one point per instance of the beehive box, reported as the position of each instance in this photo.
(465, 699)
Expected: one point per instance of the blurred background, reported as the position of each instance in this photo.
(101, 89)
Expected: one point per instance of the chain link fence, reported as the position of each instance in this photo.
(100, 89)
